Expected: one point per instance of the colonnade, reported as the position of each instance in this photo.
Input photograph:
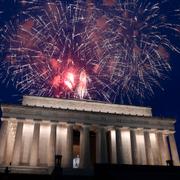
(35, 143)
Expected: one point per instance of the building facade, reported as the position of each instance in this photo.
(33, 133)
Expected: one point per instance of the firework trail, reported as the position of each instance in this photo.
(88, 51)
(137, 36)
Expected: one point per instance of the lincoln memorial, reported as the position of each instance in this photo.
(33, 133)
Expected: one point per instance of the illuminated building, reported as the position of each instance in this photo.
(33, 133)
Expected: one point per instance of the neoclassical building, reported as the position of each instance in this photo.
(33, 133)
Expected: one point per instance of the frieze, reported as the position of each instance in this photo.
(59, 115)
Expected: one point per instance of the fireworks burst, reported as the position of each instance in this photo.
(88, 51)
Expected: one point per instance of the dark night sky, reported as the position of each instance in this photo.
(164, 103)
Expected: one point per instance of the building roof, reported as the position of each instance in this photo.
(85, 105)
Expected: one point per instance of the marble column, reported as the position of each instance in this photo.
(126, 146)
(141, 151)
(166, 147)
(11, 133)
(3, 140)
(34, 158)
(119, 145)
(59, 139)
(113, 153)
(68, 159)
(84, 147)
(44, 143)
(155, 147)
(162, 147)
(52, 146)
(148, 148)
(101, 145)
(61, 142)
(159, 147)
(27, 136)
(17, 145)
(173, 147)
(134, 149)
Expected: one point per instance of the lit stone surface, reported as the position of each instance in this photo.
(12, 126)
(113, 146)
(86, 106)
(27, 137)
(32, 135)
(174, 152)
(165, 143)
(149, 153)
(43, 144)
(52, 145)
(155, 148)
(134, 148)
(69, 147)
(61, 142)
(3, 135)
(18, 144)
(34, 158)
(141, 151)
(126, 146)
